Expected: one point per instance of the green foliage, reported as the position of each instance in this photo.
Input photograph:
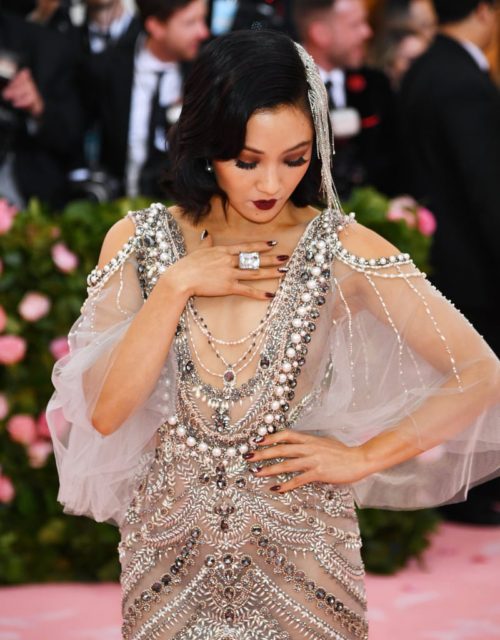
(37, 542)
(390, 538)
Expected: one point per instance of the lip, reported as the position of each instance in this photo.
(264, 205)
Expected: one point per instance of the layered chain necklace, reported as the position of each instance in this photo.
(231, 370)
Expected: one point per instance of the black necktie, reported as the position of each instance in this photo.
(328, 87)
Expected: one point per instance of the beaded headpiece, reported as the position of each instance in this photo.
(318, 101)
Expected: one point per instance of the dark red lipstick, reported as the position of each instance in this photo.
(265, 205)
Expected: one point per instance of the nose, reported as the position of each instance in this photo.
(268, 182)
(203, 31)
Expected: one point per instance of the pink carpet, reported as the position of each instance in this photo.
(454, 595)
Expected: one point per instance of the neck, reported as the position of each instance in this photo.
(104, 17)
(230, 222)
(462, 31)
(158, 51)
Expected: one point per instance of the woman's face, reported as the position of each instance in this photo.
(277, 153)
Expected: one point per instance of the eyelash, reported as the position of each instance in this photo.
(251, 165)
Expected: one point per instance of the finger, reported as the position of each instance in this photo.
(250, 247)
(297, 481)
(251, 292)
(265, 261)
(287, 466)
(268, 273)
(277, 451)
(287, 435)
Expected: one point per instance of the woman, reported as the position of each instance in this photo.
(246, 368)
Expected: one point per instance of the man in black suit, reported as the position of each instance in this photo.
(138, 92)
(108, 23)
(40, 114)
(336, 34)
(450, 119)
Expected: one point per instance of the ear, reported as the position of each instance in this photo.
(484, 11)
(152, 26)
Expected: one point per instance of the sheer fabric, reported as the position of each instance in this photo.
(97, 473)
(401, 358)
(390, 353)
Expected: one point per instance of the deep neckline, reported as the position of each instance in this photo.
(179, 245)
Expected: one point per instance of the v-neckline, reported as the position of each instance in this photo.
(179, 246)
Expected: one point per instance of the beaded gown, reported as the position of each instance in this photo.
(354, 346)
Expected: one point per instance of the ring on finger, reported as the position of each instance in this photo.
(249, 260)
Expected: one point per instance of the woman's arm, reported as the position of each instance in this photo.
(141, 354)
(460, 378)
(140, 357)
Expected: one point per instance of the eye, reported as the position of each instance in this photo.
(296, 163)
(245, 165)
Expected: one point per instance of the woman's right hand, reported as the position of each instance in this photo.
(213, 271)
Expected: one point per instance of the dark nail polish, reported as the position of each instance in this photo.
(249, 456)
(276, 487)
(259, 439)
(270, 295)
(272, 243)
(257, 468)
(204, 234)
(283, 269)
(282, 258)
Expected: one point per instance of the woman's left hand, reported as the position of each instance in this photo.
(317, 458)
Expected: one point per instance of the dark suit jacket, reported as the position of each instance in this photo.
(110, 78)
(41, 158)
(371, 157)
(450, 124)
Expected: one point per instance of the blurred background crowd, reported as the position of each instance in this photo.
(90, 88)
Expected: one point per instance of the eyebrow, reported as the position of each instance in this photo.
(297, 146)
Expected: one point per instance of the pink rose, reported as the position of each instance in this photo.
(42, 428)
(38, 452)
(12, 349)
(34, 306)
(7, 491)
(59, 347)
(4, 406)
(3, 319)
(7, 215)
(426, 222)
(22, 428)
(403, 208)
(64, 259)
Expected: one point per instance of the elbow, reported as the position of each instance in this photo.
(101, 424)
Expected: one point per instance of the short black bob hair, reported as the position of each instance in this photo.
(235, 75)
(449, 11)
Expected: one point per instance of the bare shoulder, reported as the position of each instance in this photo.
(114, 240)
(362, 241)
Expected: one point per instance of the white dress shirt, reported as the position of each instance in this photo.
(146, 70)
(338, 91)
(476, 53)
(99, 38)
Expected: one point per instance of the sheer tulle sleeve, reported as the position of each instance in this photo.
(401, 358)
(97, 473)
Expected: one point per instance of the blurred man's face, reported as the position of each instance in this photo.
(180, 37)
(344, 33)
(423, 18)
(101, 5)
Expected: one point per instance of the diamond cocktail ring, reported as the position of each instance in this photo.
(249, 260)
